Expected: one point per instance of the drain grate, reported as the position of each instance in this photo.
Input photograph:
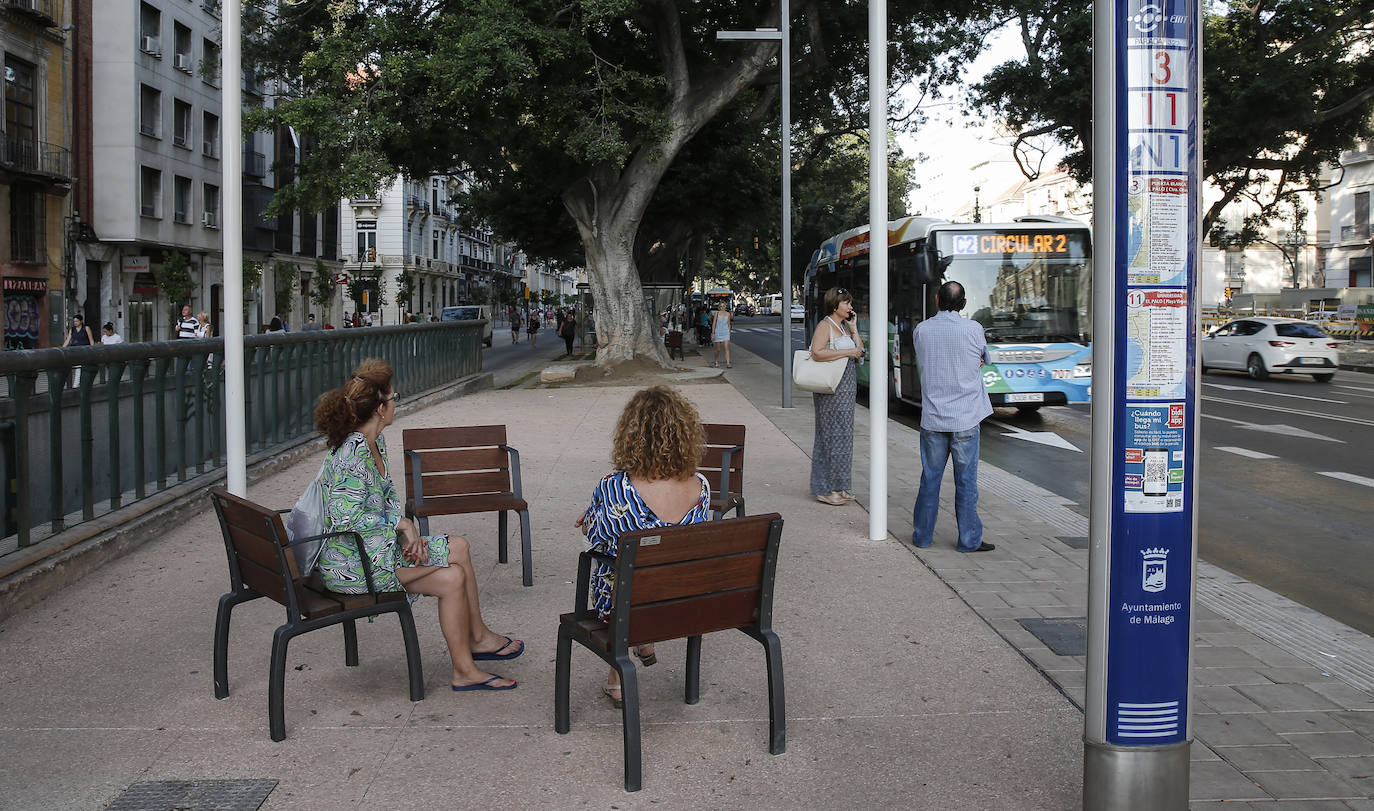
(1066, 636)
(194, 795)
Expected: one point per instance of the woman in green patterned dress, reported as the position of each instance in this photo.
(361, 497)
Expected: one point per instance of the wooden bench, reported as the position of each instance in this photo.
(671, 583)
(673, 341)
(262, 564)
(722, 464)
(456, 471)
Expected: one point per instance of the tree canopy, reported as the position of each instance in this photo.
(1287, 85)
(577, 120)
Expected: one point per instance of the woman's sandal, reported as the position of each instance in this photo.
(650, 659)
(612, 691)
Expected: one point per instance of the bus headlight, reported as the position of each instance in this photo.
(1083, 369)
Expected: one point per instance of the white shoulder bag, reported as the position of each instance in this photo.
(307, 521)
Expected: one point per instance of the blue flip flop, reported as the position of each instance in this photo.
(485, 685)
(491, 656)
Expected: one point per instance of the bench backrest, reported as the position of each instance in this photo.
(675, 582)
(256, 542)
(721, 437)
(458, 461)
(673, 340)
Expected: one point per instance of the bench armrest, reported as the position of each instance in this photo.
(514, 469)
(584, 576)
(417, 486)
(726, 457)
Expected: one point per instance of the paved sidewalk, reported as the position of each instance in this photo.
(898, 695)
(1283, 714)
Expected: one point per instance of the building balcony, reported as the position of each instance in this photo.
(254, 164)
(36, 158)
(1354, 232)
(43, 12)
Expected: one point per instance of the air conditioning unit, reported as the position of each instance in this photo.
(208, 147)
(150, 45)
(182, 62)
(208, 220)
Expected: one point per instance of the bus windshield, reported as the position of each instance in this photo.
(1029, 287)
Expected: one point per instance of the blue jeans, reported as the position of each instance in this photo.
(936, 448)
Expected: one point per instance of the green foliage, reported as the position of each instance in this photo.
(1287, 86)
(479, 295)
(322, 289)
(285, 277)
(173, 278)
(405, 288)
(372, 285)
(252, 274)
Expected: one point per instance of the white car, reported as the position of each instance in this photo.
(1263, 346)
(798, 312)
(470, 312)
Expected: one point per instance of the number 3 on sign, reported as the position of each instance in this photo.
(1160, 72)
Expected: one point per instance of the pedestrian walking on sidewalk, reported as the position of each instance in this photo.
(515, 327)
(360, 497)
(658, 443)
(532, 327)
(832, 451)
(950, 351)
(567, 330)
(720, 334)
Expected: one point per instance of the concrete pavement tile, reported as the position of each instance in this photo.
(1265, 758)
(1233, 730)
(1360, 805)
(1357, 771)
(1205, 626)
(1332, 744)
(1296, 675)
(1302, 722)
(1198, 750)
(1361, 722)
(1304, 785)
(1217, 780)
(1217, 676)
(1049, 611)
(1232, 638)
(55, 768)
(1343, 694)
(1272, 655)
(1225, 700)
(1067, 678)
(1208, 656)
(1285, 697)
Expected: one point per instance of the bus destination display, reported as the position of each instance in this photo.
(1049, 244)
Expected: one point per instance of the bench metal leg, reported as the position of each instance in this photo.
(526, 560)
(413, 665)
(693, 669)
(562, 672)
(276, 683)
(350, 629)
(777, 699)
(501, 527)
(739, 508)
(222, 617)
(629, 713)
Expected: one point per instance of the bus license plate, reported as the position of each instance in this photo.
(1031, 397)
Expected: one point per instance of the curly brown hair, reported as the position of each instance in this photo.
(659, 436)
(340, 411)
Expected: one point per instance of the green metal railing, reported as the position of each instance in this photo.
(86, 430)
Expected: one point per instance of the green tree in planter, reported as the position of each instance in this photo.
(173, 278)
(285, 277)
(405, 289)
(252, 274)
(322, 290)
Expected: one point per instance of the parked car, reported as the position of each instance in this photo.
(798, 312)
(1263, 346)
(744, 310)
(470, 312)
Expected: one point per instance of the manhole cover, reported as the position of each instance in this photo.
(1066, 636)
(1076, 541)
(194, 795)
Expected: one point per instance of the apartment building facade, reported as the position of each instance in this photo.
(35, 170)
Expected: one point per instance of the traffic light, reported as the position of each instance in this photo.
(372, 254)
(756, 243)
(737, 253)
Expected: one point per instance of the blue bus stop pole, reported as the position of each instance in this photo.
(1143, 525)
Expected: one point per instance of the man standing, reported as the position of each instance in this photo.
(950, 351)
(310, 324)
(188, 325)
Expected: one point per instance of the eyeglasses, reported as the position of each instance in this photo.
(392, 398)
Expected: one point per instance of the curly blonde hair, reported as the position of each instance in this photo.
(659, 436)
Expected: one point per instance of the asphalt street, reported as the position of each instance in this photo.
(1286, 476)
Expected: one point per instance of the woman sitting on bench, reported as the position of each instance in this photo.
(658, 443)
(360, 497)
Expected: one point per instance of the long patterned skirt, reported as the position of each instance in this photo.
(832, 454)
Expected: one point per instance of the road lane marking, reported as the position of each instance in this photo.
(1285, 430)
(1349, 477)
(1246, 452)
(1039, 437)
(1352, 388)
(1285, 410)
(1273, 393)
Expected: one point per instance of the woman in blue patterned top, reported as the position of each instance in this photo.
(657, 447)
(360, 497)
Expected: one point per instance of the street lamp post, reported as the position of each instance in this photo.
(785, 71)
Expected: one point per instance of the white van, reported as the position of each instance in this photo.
(470, 312)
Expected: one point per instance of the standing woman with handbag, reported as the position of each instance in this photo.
(832, 454)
